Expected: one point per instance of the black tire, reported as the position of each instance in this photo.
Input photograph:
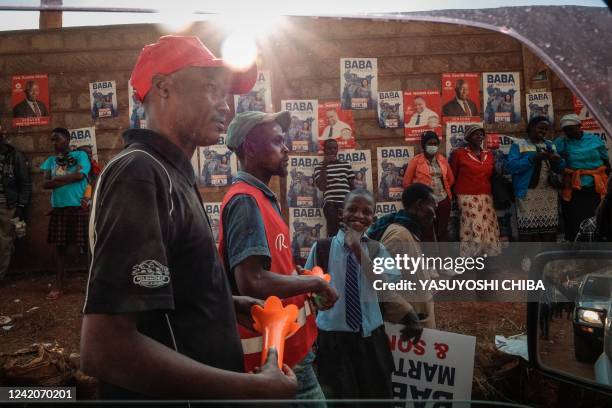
(582, 351)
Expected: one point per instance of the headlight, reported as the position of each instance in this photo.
(590, 316)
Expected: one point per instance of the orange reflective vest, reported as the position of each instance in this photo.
(277, 235)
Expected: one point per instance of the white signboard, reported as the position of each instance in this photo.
(440, 366)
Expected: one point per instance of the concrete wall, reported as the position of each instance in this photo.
(303, 56)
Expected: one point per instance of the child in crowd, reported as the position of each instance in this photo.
(354, 357)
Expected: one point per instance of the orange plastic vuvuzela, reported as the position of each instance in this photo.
(318, 271)
(275, 322)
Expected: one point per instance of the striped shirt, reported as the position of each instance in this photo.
(339, 176)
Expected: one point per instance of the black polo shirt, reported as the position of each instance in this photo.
(153, 254)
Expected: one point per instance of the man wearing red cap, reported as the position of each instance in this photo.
(160, 321)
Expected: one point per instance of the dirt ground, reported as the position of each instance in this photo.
(35, 319)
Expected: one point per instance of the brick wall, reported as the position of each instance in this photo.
(303, 56)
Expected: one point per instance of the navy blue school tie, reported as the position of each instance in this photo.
(353, 305)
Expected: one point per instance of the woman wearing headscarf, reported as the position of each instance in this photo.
(473, 166)
(432, 169)
(585, 174)
(531, 161)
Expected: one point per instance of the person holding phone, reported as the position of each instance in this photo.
(531, 163)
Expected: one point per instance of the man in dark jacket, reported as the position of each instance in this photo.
(15, 193)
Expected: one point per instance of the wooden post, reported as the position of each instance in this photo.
(50, 19)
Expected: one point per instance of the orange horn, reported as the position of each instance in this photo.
(318, 271)
(275, 323)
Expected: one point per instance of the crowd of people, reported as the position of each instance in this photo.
(172, 299)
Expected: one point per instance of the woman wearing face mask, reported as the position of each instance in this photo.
(473, 166)
(530, 162)
(432, 169)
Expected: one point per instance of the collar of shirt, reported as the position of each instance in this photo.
(165, 148)
(255, 182)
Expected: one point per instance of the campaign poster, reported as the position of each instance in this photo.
(218, 165)
(390, 109)
(600, 133)
(301, 189)
(84, 139)
(361, 163)
(358, 83)
(214, 215)
(306, 225)
(501, 91)
(422, 113)
(103, 99)
(302, 134)
(460, 95)
(392, 163)
(337, 124)
(138, 118)
(387, 207)
(539, 103)
(498, 141)
(454, 135)
(587, 121)
(439, 367)
(259, 98)
(30, 100)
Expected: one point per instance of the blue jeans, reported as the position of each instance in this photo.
(308, 385)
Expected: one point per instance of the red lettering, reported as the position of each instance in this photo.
(441, 350)
(419, 348)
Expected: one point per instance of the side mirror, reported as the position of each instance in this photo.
(570, 326)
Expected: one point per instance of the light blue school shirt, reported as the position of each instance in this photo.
(334, 319)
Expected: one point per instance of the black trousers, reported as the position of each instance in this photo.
(580, 207)
(355, 367)
(332, 211)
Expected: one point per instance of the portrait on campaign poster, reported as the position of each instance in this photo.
(303, 131)
(103, 99)
(391, 164)
(306, 226)
(460, 95)
(422, 113)
(336, 123)
(454, 135)
(214, 215)
(30, 100)
(361, 164)
(358, 83)
(587, 122)
(258, 99)
(218, 165)
(540, 103)
(138, 118)
(390, 109)
(502, 96)
(84, 139)
(301, 189)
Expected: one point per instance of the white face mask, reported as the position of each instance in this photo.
(431, 149)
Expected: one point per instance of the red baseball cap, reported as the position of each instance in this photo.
(172, 53)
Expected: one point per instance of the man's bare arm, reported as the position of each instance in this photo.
(253, 280)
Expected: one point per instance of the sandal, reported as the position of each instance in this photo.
(54, 295)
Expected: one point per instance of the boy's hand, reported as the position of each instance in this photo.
(352, 239)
